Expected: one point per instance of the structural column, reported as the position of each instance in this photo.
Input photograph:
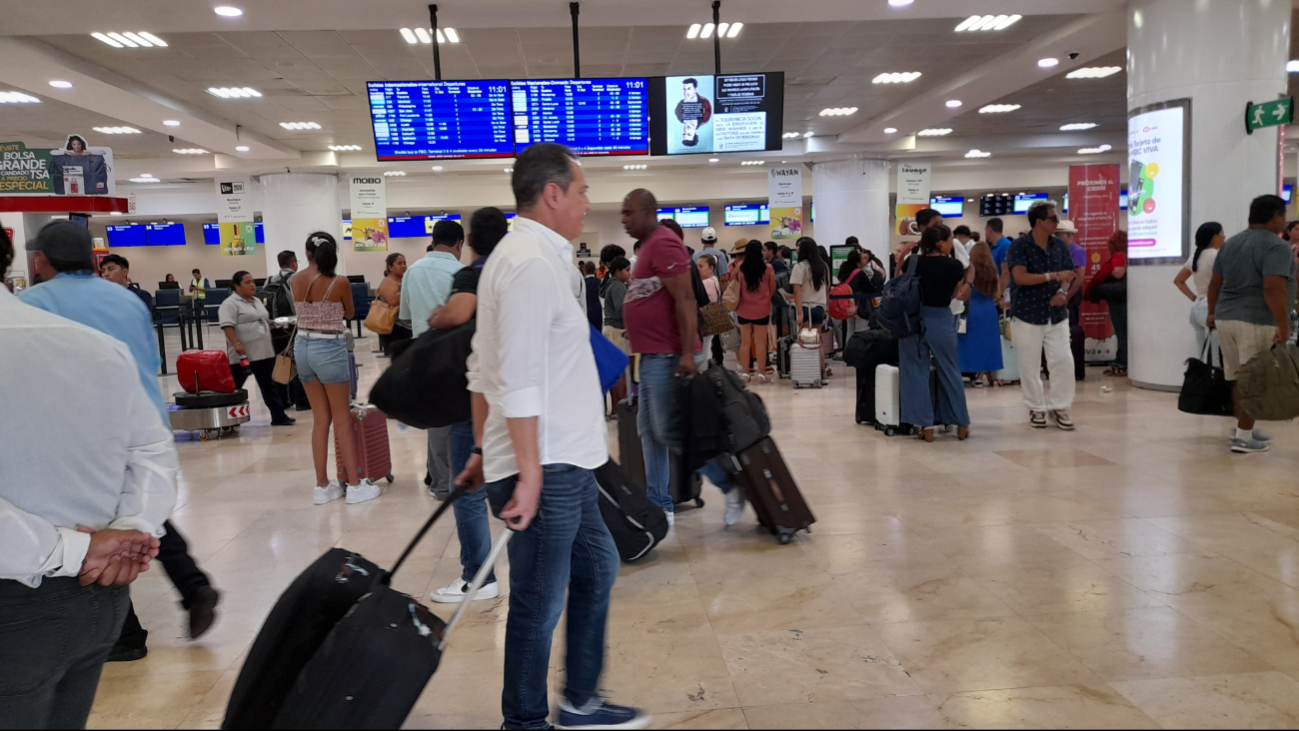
(293, 206)
(852, 199)
(1220, 55)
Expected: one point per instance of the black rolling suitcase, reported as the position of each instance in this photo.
(784, 348)
(636, 524)
(771, 489)
(684, 488)
(314, 666)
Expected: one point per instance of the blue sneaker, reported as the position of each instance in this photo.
(600, 714)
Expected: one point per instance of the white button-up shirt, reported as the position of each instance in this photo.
(81, 444)
(532, 354)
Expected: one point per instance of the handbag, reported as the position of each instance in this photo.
(382, 317)
(285, 368)
(1268, 385)
(809, 337)
(714, 319)
(1205, 390)
(731, 338)
(731, 297)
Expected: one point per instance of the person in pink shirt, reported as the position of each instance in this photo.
(757, 283)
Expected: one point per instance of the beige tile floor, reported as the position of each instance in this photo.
(1131, 574)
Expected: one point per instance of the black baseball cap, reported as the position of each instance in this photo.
(63, 241)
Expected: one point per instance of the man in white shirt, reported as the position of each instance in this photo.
(539, 423)
(87, 474)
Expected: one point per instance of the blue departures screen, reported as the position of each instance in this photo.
(590, 116)
(433, 120)
(165, 234)
(127, 235)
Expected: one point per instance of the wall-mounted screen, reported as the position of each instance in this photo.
(165, 234)
(1024, 200)
(406, 227)
(747, 214)
(1287, 193)
(212, 234)
(948, 206)
(590, 116)
(438, 120)
(1158, 184)
(727, 113)
(259, 233)
(995, 204)
(687, 216)
(127, 235)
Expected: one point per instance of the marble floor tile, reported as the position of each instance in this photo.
(919, 591)
(812, 601)
(1242, 700)
(1068, 587)
(1061, 707)
(1121, 538)
(900, 712)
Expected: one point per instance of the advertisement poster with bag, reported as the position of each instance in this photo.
(74, 169)
(369, 213)
(1094, 210)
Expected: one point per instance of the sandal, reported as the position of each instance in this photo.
(744, 376)
(926, 434)
(1117, 372)
(761, 378)
(962, 433)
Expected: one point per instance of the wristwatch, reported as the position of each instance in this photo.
(477, 450)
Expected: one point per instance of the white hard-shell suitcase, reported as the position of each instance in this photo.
(805, 366)
(888, 399)
(1009, 372)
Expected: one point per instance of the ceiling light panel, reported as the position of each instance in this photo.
(693, 32)
(1094, 150)
(145, 180)
(974, 154)
(1047, 63)
(754, 162)
(425, 35)
(344, 148)
(59, 84)
(241, 148)
(707, 32)
(299, 125)
(905, 77)
(1093, 72)
(635, 167)
(234, 92)
(735, 30)
(116, 130)
(395, 173)
(722, 28)
(1292, 66)
(191, 151)
(228, 11)
(791, 135)
(954, 104)
(1077, 126)
(838, 111)
(17, 97)
(999, 108)
(987, 22)
(934, 132)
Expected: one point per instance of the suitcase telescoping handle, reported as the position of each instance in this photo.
(386, 578)
(476, 584)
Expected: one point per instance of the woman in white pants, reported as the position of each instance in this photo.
(1199, 268)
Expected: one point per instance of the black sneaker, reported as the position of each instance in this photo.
(601, 715)
(127, 653)
(202, 611)
(286, 421)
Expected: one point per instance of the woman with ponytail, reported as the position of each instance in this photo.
(1199, 268)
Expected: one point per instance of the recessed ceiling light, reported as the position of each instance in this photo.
(227, 11)
(105, 39)
(1047, 63)
(1094, 150)
(903, 77)
(299, 125)
(241, 148)
(509, 170)
(155, 40)
(1106, 148)
(344, 148)
(145, 180)
(114, 213)
(409, 35)
(693, 31)
(900, 3)
(791, 135)
(934, 132)
(1077, 126)
(191, 151)
(452, 35)
(999, 108)
(171, 122)
(735, 30)
(890, 130)
(1100, 72)
(116, 130)
(707, 31)
(977, 154)
(141, 40)
(425, 35)
(754, 162)
(838, 111)
(395, 173)
(146, 175)
(714, 159)
(1292, 67)
(634, 167)
(436, 169)
(61, 84)
(807, 134)
(17, 97)
(721, 29)
(953, 103)
(987, 22)
(234, 92)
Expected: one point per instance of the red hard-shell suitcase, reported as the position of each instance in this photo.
(205, 370)
(771, 489)
(369, 428)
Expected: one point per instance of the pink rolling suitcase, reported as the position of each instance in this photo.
(369, 428)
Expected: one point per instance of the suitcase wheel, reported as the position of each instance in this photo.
(699, 502)
(785, 536)
(389, 478)
(889, 431)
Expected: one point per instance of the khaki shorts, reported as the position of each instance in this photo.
(1241, 341)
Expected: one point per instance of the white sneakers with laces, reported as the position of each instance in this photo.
(456, 591)
(734, 505)
(326, 494)
(362, 491)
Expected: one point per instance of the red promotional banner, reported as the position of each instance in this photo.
(1094, 209)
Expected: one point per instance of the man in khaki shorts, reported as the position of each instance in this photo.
(1250, 296)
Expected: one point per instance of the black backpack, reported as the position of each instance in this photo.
(427, 385)
(277, 295)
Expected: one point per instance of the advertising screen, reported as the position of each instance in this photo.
(1024, 200)
(949, 206)
(590, 116)
(438, 120)
(687, 216)
(1157, 154)
(127, 235)
(727, 113)
(747, 214)
(165, 234)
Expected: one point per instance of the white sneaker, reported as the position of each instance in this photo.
(734, 506)
(672, 518)
(359, 493)
(327, 493)
(454, 593)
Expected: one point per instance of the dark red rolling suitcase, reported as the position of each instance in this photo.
(771, 489)
(369, 428)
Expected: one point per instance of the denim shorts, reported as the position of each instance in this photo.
(321, 360)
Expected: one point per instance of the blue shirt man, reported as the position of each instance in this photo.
(427, 284)
(82, 297)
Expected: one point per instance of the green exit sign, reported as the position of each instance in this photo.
(1269, 114)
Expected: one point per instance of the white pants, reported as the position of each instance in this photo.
(1030, 342)
(1199, 323)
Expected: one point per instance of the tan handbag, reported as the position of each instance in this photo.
(285, 369)
(731, 297)
(714, 319)
(382, 317)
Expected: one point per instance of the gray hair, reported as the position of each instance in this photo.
(538, 166)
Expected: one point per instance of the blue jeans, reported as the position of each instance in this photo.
(656, 420)
(567, 547)
(939, 338)
(471, 509)
(321, 360)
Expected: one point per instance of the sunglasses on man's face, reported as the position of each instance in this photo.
(1053, 218)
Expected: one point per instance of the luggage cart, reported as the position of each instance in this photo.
(208, 414)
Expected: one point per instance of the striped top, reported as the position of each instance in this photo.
(323, 316)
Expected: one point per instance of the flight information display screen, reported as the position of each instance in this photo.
(725, 113)
(165, 234)
(1024, 201)
(686, 216)
(996, 205)
(590, 116)
(128, 235)
(747, 214)
(948, 206)
(438, 120)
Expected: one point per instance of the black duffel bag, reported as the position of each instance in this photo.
(427, 385)
(869, 348)
(1205, 389)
